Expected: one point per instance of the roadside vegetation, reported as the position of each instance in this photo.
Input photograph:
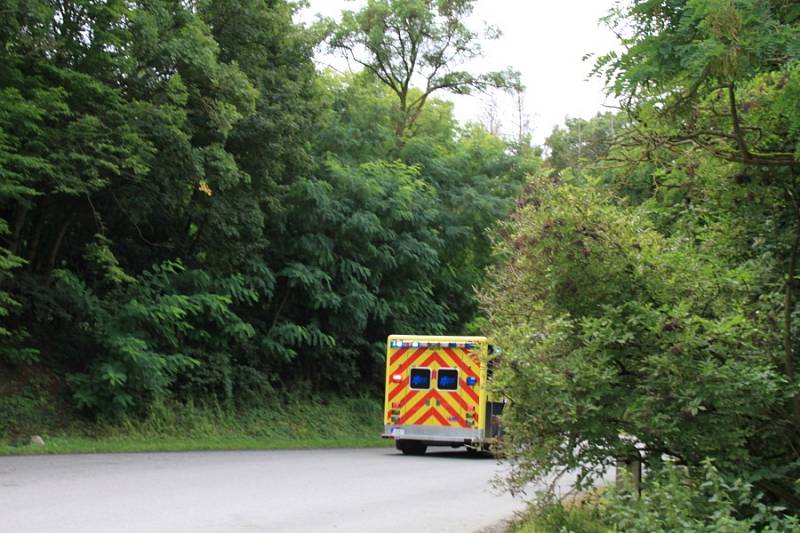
(670, 501)
(294, 423)
(191, 214)
(647, 301)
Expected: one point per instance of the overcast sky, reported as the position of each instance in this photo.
(545, 40)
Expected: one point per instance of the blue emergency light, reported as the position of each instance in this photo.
(471, 380)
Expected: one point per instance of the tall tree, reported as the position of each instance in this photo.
(415, 43)
(721, 76)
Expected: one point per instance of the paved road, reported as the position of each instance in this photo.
(278, 491)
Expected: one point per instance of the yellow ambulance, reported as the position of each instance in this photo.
(437, 395)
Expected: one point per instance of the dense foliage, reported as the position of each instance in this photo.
(648, 305)
(672, 501)
(190, 211)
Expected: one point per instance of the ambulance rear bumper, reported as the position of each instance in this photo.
(433, 434)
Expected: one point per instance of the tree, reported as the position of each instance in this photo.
(581, 141)
(712, 74)
(722, 77)
(652, 302)
(405, 42)
(476, 175)
(113, 120)
(619, 341)
(190, 212)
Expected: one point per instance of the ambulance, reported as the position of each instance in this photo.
(437, 394)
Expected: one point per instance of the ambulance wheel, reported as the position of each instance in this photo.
(411, 447)
(478, 452)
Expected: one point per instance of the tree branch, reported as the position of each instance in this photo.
(737, 127)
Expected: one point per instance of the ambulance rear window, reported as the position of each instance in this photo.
(420, 378)
(447, 380)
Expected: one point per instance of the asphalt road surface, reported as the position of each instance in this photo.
(358, 490)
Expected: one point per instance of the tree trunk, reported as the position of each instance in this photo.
(780, 491)
(400, 127)
(19, 223)
(629, 472)
(51, 261)
(33, 248)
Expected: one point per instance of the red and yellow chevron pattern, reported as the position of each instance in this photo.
(433, 407)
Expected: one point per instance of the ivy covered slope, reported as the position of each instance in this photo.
(648, 304)
(191, 213)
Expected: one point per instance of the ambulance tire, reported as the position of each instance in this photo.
(411, 447)
(479, 452)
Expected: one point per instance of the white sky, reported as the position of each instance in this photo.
(543, 39)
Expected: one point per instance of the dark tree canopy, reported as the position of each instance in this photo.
(190, 212)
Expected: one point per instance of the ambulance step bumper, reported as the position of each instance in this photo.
(432, 433)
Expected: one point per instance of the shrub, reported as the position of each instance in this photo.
(671, 500)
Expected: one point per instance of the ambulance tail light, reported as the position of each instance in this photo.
(397, 378)
(470, 418)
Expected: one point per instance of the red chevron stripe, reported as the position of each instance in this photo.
(457, 360)
(397, 355)
(398, 387)
(435, 358)
(408, 397)
(432, 395)
(410, 361)
(457, 397)
(416, 407)
(466, 388)
(450, 410)
(405, 400)
(433, 412)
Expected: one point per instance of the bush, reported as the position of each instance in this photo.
(28, 411)
(611, 330)
(671, 500)
(556, 516)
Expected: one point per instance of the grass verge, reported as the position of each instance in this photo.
(578, 515)
(65, 445)
(338, 423)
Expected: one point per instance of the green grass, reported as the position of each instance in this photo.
(337, 423)
(63, 445)
(557, 517)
